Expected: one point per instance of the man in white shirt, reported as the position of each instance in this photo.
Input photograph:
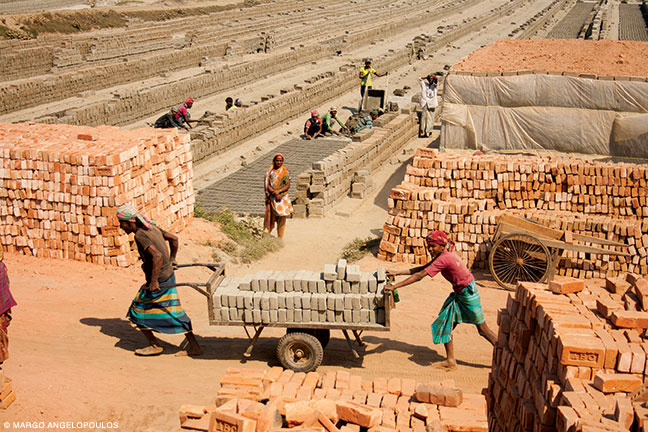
(429, 102)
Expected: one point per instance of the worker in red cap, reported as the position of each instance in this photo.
(182, 115)
(313, 126)
(463, 305)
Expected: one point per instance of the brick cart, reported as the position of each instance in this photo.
(526, 251)
(301, 349)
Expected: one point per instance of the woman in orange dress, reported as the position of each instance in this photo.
(278, 206)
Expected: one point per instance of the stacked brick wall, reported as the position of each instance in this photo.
(569, 357)
(62, 184)
(281, 400)
(465, 195)
(330, 180)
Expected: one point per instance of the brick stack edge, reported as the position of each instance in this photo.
(464, 195)
(332, 179)
(278, 400)
(340, 294)
(62, 185)
(568, 355)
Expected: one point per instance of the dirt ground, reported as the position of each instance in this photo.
(72, 348)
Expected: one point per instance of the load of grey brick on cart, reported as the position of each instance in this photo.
(308, 304)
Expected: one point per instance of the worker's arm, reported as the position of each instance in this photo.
(319, 131)
(339, 122)
(362, 74)
(283, 189)
(410, 280)
(381, 74)
(173, 245)
(407, 272)
(156, 256)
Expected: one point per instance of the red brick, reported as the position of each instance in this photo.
(581, 351)
(394, 386)
(358, 414)
(298, 378)
(389, 400)
(355, 382)
(630, 319)
(324, 421)
(273, 374)
(388, 419)
(328, 380)
(616, 382)
(380, 385)
(408, 387)
(311, 380)
(446, 396)
(374, 399)
(605, 306)
(616, 285)
(328, 408)
(641, 291)
(190, 411)
(421, 411)
(219, 418)
(566, 285)
(300, 412)
(286, 376)
(342, 379)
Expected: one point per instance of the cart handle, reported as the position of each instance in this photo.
(218, 269)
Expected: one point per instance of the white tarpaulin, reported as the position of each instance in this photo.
(551, 112)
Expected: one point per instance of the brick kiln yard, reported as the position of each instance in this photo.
(71, 345)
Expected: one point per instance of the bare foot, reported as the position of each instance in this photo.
(448, 365)
(150, 350)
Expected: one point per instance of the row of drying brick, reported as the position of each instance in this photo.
(566, 358)
(277, 399)
(332, 178)
(63, 183)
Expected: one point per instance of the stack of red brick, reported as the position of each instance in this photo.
(255, 400)
(62, 185)
(7, 396)
(568, 356)
(464, 195)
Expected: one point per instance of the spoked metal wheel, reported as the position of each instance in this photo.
(519, 258)
(300, 352)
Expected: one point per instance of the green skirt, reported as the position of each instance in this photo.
(160, 310)
(461, 307)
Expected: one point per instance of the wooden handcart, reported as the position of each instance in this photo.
(526, 250)
(302, 347)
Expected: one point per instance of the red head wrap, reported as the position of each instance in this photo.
(439, 238)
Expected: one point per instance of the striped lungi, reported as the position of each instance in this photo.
(461, 307)
(159, 310)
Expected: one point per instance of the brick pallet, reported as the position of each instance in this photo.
(258, 400)
(62, 185)
(340, 294)
(568, 356)
(464, 195)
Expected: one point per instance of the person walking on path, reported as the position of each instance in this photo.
(463, 305)
(365, 77)
(6, 303)
(429, 101)
(278, 205)
(156, 306)
(313, 126)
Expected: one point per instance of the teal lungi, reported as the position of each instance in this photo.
(160, 310)
(461, 307)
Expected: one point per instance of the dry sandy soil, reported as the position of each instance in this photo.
(625, 58)
(72, 347)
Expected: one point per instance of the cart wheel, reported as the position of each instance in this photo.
(519, 258)
(300, 352)
(322, 335)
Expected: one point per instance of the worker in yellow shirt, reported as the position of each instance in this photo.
(365, 76)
